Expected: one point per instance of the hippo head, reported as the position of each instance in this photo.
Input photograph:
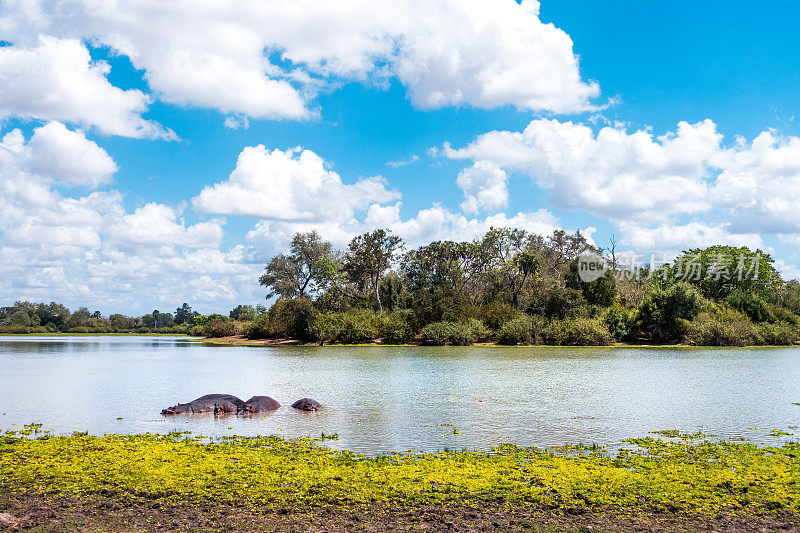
(177, 409)
(307, 404)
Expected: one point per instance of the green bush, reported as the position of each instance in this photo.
(478, 331)
(751, 305)
(781, 334)
(292, 318)
(326, 327)
(495, 314)
(15, 330)
(620, 323)
(782, 314)
(558, 302)
(442, 333)
(257, 329)
(661, 311)
(723, 327)
(358, 326)
(577, 332)
(516, 331)
(395, 329)
(601, 291)
(219, 328)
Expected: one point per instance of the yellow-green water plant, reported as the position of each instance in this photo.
(703, 478)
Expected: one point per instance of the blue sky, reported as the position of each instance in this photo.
(148, 214)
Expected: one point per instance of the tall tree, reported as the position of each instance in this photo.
(243, 312)
(184, 314)
(303, 272)
(720, 270)
(368, 257)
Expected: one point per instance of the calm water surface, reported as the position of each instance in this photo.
(381, 399)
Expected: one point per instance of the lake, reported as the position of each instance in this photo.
(382, 399)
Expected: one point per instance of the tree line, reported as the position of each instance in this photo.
(28, 317)
(511, 286)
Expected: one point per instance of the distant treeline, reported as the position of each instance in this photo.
(515, 287)
(27, 317)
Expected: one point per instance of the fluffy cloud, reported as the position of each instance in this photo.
(613, 174)
(157, 224)
(484, 186)
(89, 249)
(665, 192)
(291, 185)
(489, 54)
(675, 237)
(427, 225)
(267, 60)
(759, 184)
(56, 79)
(61, 155)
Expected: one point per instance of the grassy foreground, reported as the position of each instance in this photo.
(176, 482)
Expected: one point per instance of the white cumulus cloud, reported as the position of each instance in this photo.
(684, 188)
(56, 79)
(269, 59)
(291, 185)
(484, 186)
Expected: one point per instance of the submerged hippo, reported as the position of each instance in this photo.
(210, 403)
(307, 404)
(258, 404)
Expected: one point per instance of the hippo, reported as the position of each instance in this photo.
(258, 404)
(210, 403)
(306, 404)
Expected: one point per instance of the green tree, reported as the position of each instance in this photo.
(243, 312)
(184, 314)
(368, 257)
(660, 313)
(53, 313)
(717, 271)
(303, 272)
(601, 291)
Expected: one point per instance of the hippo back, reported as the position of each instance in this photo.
(229, 397)
(307, 404)
(258, 404)
(213, 406)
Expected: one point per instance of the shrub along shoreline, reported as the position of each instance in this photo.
(299, 320)
(685, 481)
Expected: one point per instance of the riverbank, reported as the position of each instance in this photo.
(240, 340)
(172, 482)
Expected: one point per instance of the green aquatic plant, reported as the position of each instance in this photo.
(676, 434)
(705, 478)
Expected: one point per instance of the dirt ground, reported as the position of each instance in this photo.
(33, 512)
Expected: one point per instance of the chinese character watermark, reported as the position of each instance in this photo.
(690, 268)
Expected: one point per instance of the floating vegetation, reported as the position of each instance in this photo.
(778, 433)
(676, 434)
(580, 447)
(262, 472)
(332, 436)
